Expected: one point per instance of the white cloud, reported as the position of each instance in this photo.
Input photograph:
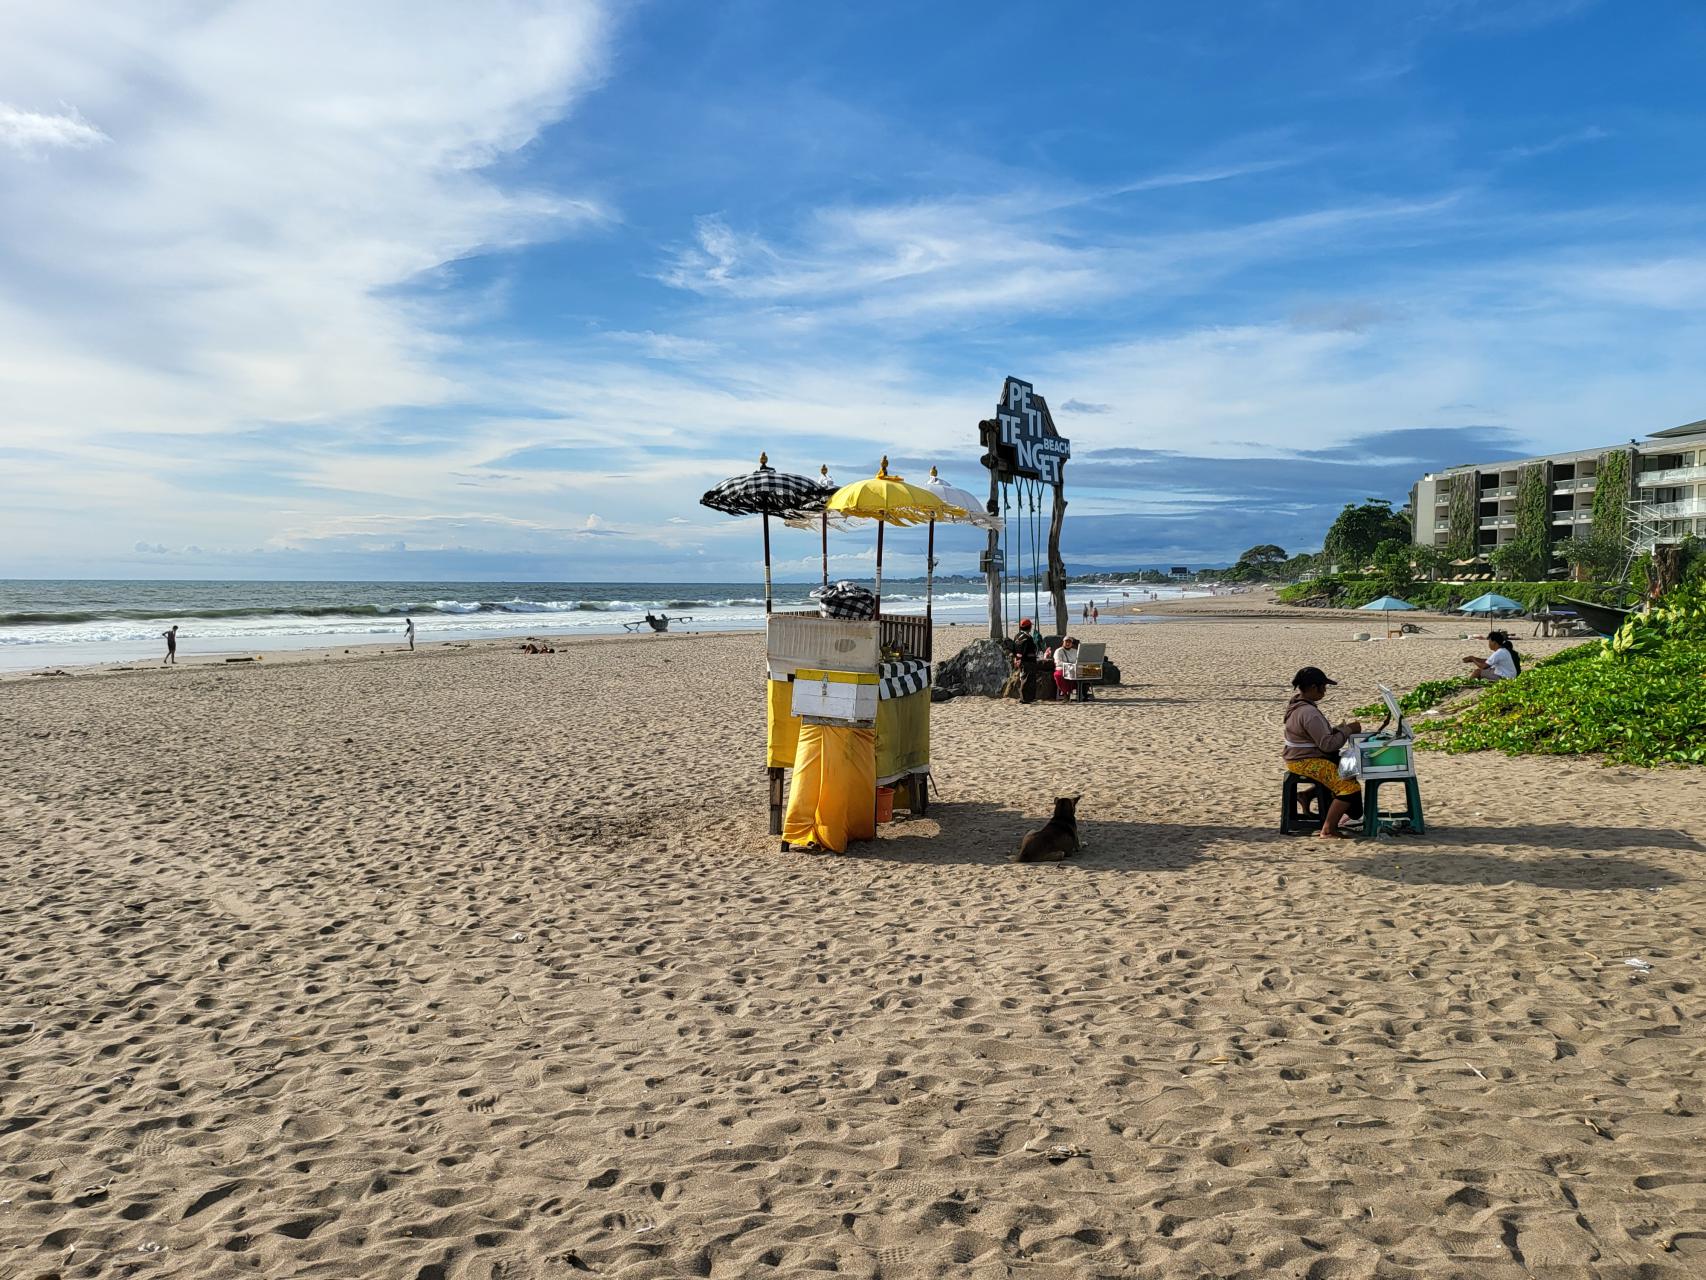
(1675, 283)
(933, 262)
(35, 132)
(226, 259)
(1591, 133)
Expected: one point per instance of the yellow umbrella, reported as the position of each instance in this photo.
(890, 500)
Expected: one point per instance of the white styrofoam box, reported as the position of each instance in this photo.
(1089, 664)
(821, 644)
(846, 697)
(1372, 755)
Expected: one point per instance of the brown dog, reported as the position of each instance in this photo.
(1056, 839)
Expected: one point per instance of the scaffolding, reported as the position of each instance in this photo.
(1641, 531)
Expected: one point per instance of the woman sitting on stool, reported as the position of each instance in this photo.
(1312, 749)
(1067, 656)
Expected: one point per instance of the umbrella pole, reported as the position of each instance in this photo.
(878, 611)
(825, 522)
(766, 562)
(929, 582)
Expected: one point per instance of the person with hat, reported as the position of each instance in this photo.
(1025, 657)
(1312, 748)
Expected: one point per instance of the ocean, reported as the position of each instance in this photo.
(49, 623)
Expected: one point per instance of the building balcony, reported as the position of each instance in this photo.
(1442, 526)
(1572, 517)
(1675, 476)
(1503, 491)
(1498, 522)
(1574, 486)
(1684, 510)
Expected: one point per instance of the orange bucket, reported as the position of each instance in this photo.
(885, 804)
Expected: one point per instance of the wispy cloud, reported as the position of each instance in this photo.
(233, 257)
(932, 261)
(1574, 138)
(34, 133)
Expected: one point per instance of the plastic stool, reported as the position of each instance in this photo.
(1372, 821)
(1305, 813)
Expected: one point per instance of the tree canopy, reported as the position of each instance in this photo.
(1358, 530)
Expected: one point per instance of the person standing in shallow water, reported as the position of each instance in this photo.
(171, 639)
(409, 630)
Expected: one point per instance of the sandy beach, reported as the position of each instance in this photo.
(471, 963)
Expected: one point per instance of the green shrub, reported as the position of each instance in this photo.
(1343, 591)
(1424, 697)
(1645, 710)
(1642, 700)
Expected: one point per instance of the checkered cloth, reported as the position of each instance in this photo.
(902, 679)
(845, 600)
(767, 491)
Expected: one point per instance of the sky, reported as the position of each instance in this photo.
(438, 291)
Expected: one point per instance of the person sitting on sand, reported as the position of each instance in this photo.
(1312, 749)
(1502, 661)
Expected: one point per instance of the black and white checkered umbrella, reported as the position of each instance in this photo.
(768, 492)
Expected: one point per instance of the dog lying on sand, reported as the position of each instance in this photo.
(1056, 839)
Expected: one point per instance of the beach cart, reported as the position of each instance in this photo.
(848, 709)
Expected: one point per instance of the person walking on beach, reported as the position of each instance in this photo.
(171, 639)
(1312, 749)
(409, 630)
(1095, 613)
(1025, 655)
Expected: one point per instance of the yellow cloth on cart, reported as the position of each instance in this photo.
(833, 797)
(903, 731)
(783, 735)
(903, 735)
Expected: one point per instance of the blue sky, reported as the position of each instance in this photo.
(436, 290)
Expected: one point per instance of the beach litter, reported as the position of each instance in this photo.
(1058, 1154)
(1638, 964)
(518, 936)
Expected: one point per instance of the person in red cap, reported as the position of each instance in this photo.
(1312, 745)
(1025, 655)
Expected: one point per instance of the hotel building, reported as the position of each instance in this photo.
(1661, 481)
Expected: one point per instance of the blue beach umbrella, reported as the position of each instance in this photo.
(1492, 602)
(1388, 604)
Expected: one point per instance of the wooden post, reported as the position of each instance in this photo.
(997, 628)
(777, 801)
(1057, 566)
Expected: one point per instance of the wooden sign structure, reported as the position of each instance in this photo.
(1024, 452)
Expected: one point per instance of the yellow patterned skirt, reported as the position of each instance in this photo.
(1326, 773)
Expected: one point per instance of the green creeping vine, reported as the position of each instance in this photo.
(1639, 698)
